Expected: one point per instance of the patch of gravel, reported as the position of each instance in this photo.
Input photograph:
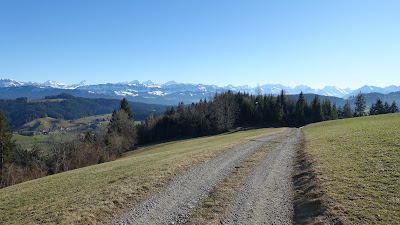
(267, 198)
(181, 197)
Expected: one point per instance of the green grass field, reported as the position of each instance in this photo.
(357, 162)
(47, 123)
(97, 193)
(42, 141)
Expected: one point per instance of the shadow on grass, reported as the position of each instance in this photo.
(309, 207)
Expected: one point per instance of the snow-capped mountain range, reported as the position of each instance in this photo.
(172, 92)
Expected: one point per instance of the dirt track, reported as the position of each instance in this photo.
(267, 198)
(174, 204)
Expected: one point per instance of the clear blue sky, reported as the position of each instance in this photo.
(316, 43)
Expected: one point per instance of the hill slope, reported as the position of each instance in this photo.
(357, 164)
(95, 194)
(64, 106)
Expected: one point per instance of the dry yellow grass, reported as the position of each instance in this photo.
(97, 193)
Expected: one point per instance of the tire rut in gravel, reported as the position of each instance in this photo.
(267, 198)
(174, 204)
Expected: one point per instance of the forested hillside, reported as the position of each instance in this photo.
(68, 107)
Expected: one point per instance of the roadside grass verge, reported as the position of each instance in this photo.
(98, 193)
(213, 210)
(357, 167)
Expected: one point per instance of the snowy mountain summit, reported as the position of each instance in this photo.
(148, 91)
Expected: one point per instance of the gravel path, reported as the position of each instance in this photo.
(174, 204)
(267, 198)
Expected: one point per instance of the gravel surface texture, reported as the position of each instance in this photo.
(267, 198)
(182, 196)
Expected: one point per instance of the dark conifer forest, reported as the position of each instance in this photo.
(228, 110)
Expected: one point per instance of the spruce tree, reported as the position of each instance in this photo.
(340, 112)
(125, 106)
(394, 108)
(301, 110)
(386, 108)
(360, 105)
(372, 110)
(316, 110)
(326, 109)
(347, 112)
(334, 114)
(122, 125)
(378, 107)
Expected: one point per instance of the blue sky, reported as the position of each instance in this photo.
(315, 43)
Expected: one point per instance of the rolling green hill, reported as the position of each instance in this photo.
(38, 130)
(357, 165)
(67, 107)
(46, 123)
(49, 123)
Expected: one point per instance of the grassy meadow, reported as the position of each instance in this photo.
(97, 193)
(45, 124)
(48, 123)
(357, 162)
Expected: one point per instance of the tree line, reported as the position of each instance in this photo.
(227, 110)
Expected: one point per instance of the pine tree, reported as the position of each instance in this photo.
(360, 105)
(7, 145)
(386, 108)
(326, 109)
(316, 110)
(394, 108)
(301, 110)
(340, 112)
(347, 112)
(372, 110)
(125, 106)
(122, 125)
(334, 115)
(378, 107)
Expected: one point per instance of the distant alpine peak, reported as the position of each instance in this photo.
(149, 82)
(135, 82)
(148, 89)
(53, 83)
(171, 82)
(5, 82)
(83, 83)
